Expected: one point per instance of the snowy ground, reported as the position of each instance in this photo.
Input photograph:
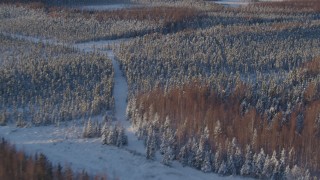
(65, 145)
(238, 3)
(232, 3)
(109, 7)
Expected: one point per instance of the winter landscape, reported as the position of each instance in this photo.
(159, 89)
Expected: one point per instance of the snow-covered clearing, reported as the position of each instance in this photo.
(238, 3)
(108, 7)
(232, 3)
(65, 145)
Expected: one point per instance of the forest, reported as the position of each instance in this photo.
(231, 91)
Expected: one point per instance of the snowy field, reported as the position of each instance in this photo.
(238, 3)
(64, 145)
(232, 3)
(108, 6)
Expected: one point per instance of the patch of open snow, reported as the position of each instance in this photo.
(232, 3)
(33, 39)
(238, 3)
(61, 147)
(108, 7)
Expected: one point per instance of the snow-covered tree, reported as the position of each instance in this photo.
(183, 155)
(282, 165)
(122, 139)
(217, 160)
(206, 164)
(104, 134)
(267, 168)
(112, 136)
(167, 138)
(3, 118)
(238, 160)
(223, 169)
(231, 167)
(193, 147)
(247, 168)
(88, 131)
(217, 130)
(275, 165)
(203, 148)
(259, 163)
(151, 146)
(297, 173)
(167, 156)
(199, 158)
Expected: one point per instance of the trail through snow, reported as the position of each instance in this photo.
(65, 145)
(120, 91)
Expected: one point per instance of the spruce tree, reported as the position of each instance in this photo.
(206, 165)
(247, 168)
(223, 168)
(259, 163)
(167, 156)
(151, 146)
(183, 155)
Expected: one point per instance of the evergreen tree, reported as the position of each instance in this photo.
(3, 118)
(96, 130)
(267, 168)
(192, 146)
(275, 165)
(231, 167)
(223, 169)
(288, 172)
(183, 155)
(282, 165)
(199, 158)
(259, 163)
(202, 148)
(307, 175)
(247, 168)
(167, 156)
(89, 129)
(206, 165)
(217, 160)
(167, 138)
(297, 173)
(151, 146)
(85, 131)
(112, 136)
(122, 139)
(238, 160)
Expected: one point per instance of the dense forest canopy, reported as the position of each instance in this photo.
(235, 91)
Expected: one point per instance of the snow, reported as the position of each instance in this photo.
(232, 3)
(238, 3)
(65, 145)
(109, 7)
(33, 39)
